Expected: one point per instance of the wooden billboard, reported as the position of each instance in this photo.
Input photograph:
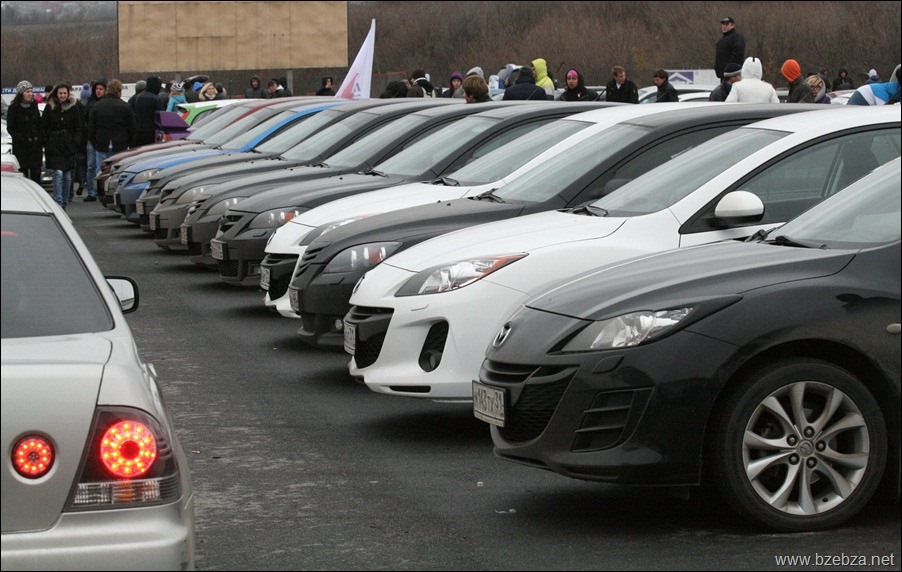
(158, 36)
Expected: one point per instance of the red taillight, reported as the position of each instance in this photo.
(128, 449)
(33, 456)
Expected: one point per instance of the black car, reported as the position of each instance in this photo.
(240, 243)
(769, 368)
(600, 164)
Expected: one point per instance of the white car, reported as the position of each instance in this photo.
(94, 477)
(422, 319)
(487, 173)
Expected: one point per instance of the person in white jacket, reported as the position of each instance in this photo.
(751, 89)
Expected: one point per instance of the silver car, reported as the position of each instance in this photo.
(93, 476)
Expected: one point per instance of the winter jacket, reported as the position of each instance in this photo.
(27, 131)
(542, 78)
(751, 89)
(878, 93)
(146, 107)
(256, 93)
(525, 88)
(111, 126)
(62, 132)
(175, 100)
(580, 92)
(626, 93)
(666, 93)
(843, 82)
(799, 92)
(720, 92)
(730, 48)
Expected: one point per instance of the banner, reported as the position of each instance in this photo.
(359, 80)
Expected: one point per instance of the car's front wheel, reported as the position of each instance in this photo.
(798, 445)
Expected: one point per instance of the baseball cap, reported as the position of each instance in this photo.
(727, 20)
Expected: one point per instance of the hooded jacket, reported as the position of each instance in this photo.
(799, 92)
(63, 130)
(525, 88)
(146, 106)
(878, 93)
(751, 89)
(258, 92)
(27, 131)
(580, 92)
(542, 78)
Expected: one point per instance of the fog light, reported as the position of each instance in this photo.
(338, 325)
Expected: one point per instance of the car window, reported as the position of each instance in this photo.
(238, 127)
(500, 140)
(805, 178)
(261, 129)
(47, 291)
(319, 140)
(502, 162)
(215, 122)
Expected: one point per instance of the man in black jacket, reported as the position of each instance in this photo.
(525, 87)
(111, 127)
(666, 92)
(146, 106)
(730, 48)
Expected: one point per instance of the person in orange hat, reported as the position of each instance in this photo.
(799, 92)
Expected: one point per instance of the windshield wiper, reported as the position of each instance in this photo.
(373, 172)
(589, 209)
(321, 164)
(490, 196)
(761, 234)
(447, 181)
(784, 240)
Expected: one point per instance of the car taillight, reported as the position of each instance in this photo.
(33, 456)
(128, 461)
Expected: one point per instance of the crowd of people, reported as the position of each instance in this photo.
(79, 128)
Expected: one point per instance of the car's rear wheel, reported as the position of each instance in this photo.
(799, 445)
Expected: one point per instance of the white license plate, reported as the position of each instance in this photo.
(139, 207)
(264, 278)
(488, 404)
(216, 249)
(350, 331)
(183, 235)
(152, 221)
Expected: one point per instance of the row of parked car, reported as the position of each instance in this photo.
(615, 288)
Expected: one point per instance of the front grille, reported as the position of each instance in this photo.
(161, 234)
(542, 389)
(227, 222)
(611, 419)
(279, 286)
(367, 352)
(227, 268)
(307, 259)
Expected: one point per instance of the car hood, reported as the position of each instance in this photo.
(675, 277)
(520, 234)
(54, 384)
(311, 193)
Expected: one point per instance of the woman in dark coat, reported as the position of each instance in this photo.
(26, 130)
(62, 131)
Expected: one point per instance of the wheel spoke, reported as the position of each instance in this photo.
(841, 485)
(757, 442)
(797, 399)
(781, 497)
(774, 406)
(849, 422)
(806, 501)
(848, 460)
(756, 467)
(834, 400)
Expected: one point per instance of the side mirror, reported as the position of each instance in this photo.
(126, 291)
(739, 207)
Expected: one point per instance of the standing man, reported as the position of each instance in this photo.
(111, 127)
(731, 74)
(666, 92)
(146, 106)
(620, 89)
(525, 88)
(730, 48)
(256, 90)
(98, 92)
(799, 92)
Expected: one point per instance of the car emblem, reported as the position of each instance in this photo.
(356, 286)
(502, 335)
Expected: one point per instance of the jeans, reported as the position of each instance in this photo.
(62, 183)
(93, 169)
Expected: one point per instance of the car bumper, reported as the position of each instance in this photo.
(321, 300)
(147, 538)
(166, 224)
(242, 256)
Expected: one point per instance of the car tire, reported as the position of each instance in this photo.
(798, 445)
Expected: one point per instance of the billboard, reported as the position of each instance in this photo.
(174, 36)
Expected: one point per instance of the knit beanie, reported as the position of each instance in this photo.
(477, 71)
(24, 86)
(791, 70)
(85, 92)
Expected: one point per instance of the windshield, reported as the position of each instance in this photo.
(418, 159)
(322, 140)
(364, 148)
(313, 122)
(864, 214)
(238, 127)
(563, 170)
(666, 185)
(259, 130)
(216, 121)
(505, 160)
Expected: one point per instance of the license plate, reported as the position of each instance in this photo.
(264, 278)
(488, 404)
(151, 221)
(139, 207)
(183, 235)
(216, 249)
(350, 331)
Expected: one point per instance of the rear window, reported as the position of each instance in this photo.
(46, 289)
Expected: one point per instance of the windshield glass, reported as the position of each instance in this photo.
(563, 170)
(238, 127)
(864, 214)
(311, 124)
(322, 140)
(505, 160)
(216, 121)
(671, 182)
(259, 130)
(418, 159)
(364, 148)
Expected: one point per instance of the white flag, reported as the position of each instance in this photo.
(356, 84)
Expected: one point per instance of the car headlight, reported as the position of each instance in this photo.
(274, 218)
(190, 195)
(145, 176)
(222, 206)
(455, 275)
(627, 330)
(362, 257)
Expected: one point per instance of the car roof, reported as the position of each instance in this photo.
(505, 109)
(832, 118)
(21, 194)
